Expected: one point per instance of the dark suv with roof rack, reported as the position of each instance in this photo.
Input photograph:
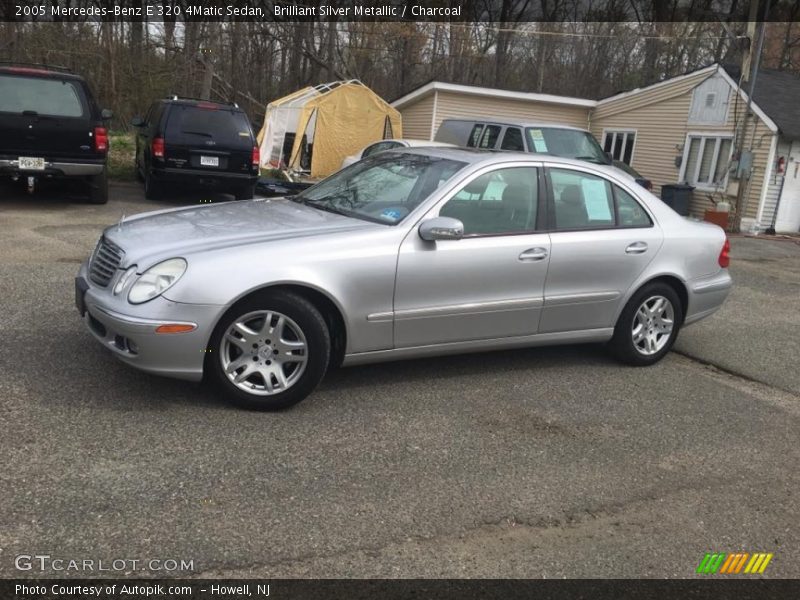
(51, 128)
(196, 143)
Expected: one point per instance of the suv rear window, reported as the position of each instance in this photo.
(51, 97)
(193, 125)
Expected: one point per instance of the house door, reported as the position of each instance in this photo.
(788, 219)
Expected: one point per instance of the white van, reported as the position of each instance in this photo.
(544, 138)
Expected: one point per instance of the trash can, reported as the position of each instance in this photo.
(677, 196)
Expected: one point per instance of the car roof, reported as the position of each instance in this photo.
(43, 72)
(474, 156)
(198, 101)
(538, 124)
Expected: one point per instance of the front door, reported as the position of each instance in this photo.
(490, 283)
(788, 218)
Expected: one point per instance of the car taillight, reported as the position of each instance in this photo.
(725, 255)
(158, 147)
(255, 157)
(100, 139)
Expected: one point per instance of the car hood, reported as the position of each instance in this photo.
(175, 232)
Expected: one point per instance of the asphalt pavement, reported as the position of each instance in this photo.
(548, 462)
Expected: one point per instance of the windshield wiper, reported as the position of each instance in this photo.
(203, 133)
(592, 159)
(318, 203)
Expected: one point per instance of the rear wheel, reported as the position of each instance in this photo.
(152, 188)
(98, 188)
(246, 193)
(269, 351)
(648, 325)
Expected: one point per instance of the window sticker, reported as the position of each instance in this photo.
(595, 197)
(392, 214)
(537, 137)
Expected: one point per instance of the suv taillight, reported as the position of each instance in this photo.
(158, 147)
(256, 156)
(725, 255)
(100, 139)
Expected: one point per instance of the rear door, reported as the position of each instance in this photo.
(602, 239)
(208, 137)
(47, 117)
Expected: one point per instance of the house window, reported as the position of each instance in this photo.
(620, 145)
(705, 161)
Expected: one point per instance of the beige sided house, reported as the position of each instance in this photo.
(681, 130)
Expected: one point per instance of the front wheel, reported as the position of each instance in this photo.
(648, 325)
(269, 351)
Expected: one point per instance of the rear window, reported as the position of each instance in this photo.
(51, 97)
(194, 125)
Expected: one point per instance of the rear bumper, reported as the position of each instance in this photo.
(203, 177)
(53, 168)
(707, 294)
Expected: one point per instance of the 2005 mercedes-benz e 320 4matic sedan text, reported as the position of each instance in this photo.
(405, 254)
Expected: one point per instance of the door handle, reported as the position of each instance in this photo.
(533, 254)
(636, 248)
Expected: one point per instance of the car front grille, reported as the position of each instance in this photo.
(107, 258)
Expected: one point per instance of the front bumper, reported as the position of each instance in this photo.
(132, 337)
(52, 168)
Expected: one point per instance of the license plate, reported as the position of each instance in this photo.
(80, 292)
(30, 163)
(209, 161)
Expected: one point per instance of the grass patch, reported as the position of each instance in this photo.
(121, 156)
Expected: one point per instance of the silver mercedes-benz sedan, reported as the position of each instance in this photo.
(405, 254)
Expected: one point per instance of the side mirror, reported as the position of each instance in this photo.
(137, 121)
(106, 114)
(610, 157)
(441, 228)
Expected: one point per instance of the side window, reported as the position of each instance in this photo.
(501, 202)
(474, 136)
(512, 140)
(629, 212)
(490, 135)
(581, 200)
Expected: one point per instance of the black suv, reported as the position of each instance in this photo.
(51, 127)
(196, 143)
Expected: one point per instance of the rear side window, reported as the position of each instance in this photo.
(192, 125)
(474, 136)
(512, 140)
(51, 97)
(490, 135)
(581, 200)
(629, 212)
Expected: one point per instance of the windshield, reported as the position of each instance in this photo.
(384, 188)
(567, 143)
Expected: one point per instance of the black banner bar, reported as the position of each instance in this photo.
(384, 10)
(737, 588)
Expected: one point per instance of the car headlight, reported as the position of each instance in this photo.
(156, 280)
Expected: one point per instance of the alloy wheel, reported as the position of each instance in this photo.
(264, 353)
(652, 326)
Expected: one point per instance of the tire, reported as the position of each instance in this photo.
(152, 188)
(654, 332)
(98, 188)
(298, 333)
(246, 193)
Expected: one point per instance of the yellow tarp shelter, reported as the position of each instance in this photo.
(329, 122)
